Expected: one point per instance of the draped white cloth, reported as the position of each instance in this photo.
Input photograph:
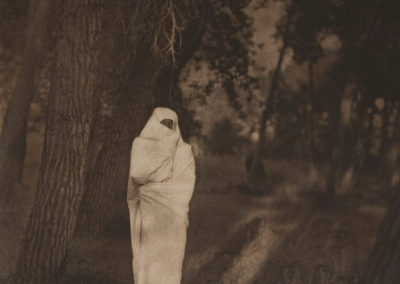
(161, 183)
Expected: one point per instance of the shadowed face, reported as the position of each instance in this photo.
(168, 123)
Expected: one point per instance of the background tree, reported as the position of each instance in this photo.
(352, 83)
(270, 98)
(13, 134)
(355, 83)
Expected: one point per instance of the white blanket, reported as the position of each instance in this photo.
(161, 183)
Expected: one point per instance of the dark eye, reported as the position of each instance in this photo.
(168, 123)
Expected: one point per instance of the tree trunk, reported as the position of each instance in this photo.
(392, 155)
(343, 121)
(360, 134)
(384, 265)
(107, 179)
(269, 104)
(13, 135)
(61, 182)
(309, 113)
(386, 112)
(369, 140)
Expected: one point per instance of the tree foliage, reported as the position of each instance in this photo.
(227, 46)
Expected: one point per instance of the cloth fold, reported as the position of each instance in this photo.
(160, 186)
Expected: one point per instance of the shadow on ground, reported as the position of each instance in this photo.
(235, 237)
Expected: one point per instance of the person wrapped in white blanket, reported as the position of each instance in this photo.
(161, 183)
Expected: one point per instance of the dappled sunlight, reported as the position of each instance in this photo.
(292, 229)
(246, 265)
(194, 262)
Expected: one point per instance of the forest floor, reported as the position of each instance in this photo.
(286, 236)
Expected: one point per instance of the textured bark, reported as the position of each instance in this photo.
(108, 177)
(61, 182)
(13, 135)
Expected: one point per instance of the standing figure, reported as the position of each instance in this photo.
(160, 186)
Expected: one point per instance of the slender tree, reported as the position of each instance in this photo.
(270, 100)
(391, 177)
(342, 122)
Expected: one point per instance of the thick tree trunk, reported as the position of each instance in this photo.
(61, 182)
(108, 176)
(13, 135)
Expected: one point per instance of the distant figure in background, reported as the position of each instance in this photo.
(161, 183)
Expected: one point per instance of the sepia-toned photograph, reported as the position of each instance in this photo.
(199, 141)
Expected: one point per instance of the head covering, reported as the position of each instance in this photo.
(155, 130)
